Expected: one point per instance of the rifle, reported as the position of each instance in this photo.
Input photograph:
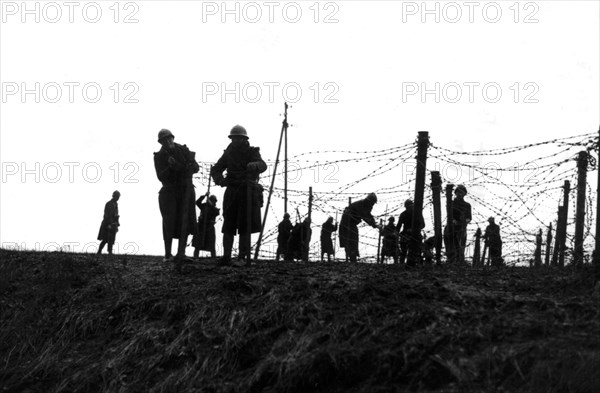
(205, 213)
(485, 247)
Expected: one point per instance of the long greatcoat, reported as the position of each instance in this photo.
(205, 237)
(352, 216)
(241, 183)
(284, 229)
(111, 217)
(326, 243)
(176, 197)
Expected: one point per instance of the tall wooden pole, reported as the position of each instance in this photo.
(476, 256)
(285, 161)
(345, 249)
(414, 247)
(548, 244)
(582, 161)
(306, 252)
(596, 260)
(264, 221)
(310, 200)
(563, 224)
(379, 254)
(557, 239)
(537, 255)
(450, 251)
(436, 188)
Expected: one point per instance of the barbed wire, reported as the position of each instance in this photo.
(524, 202)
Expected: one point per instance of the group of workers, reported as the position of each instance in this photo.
(175, 165)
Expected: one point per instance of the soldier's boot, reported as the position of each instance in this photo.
(245, 257)
(227, 247)
(100, 247)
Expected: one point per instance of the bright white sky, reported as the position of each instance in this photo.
(355, 75)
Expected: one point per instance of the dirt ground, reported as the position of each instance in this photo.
(87, 323)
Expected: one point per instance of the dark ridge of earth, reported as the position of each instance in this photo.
(87, 323)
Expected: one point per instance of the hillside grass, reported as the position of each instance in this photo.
(87, 323)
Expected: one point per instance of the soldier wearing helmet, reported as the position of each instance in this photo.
(299, 242)
(404, 228)
(243, 194)
(355, 213)
(110, 223)
(175, 165)
(284, 229)
(494, 242)
(461, 217)
(205, 236)
(389, 247)
(327, 229)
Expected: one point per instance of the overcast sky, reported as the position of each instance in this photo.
(86, 86)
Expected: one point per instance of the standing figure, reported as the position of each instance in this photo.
(390, 241)
(284, 230)
(461, 217)
(175, 165)
(404, 228)
(327, 229)
(494, 242)
(537, 255)
(299, 242)
(429, 250)
(110, 223)
(243, 194)
(353, 214)
(205, 236)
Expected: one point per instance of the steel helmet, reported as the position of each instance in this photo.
(461, 188)
(238, 130)
(164, 133)
(408, 203)
(213, 198)
(372, 197)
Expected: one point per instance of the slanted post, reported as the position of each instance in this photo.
(436, 189)
(414, 247)
(582, 162)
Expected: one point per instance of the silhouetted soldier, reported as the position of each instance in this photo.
(390, 241)
(352, 216)
(538, 249)
(299, 241)
(243, 196)
(494, 242)
(110, 223)
(175, 165)
(205, 236)
(327, 229)
(461, 217)
(404, 228)
(428, 250)
(284, 230)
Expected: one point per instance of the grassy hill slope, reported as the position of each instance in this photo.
(82, 323)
